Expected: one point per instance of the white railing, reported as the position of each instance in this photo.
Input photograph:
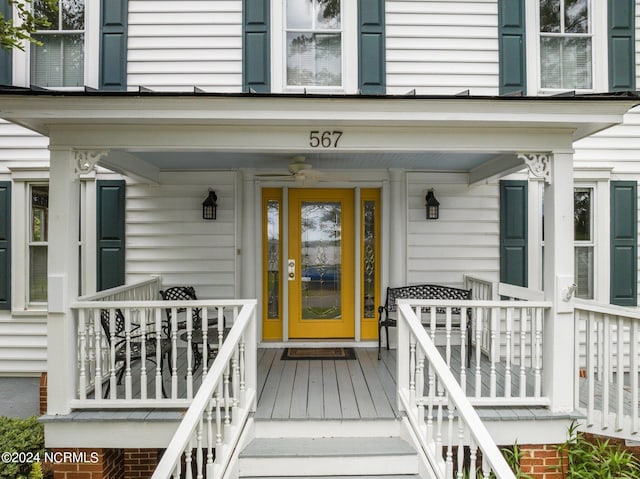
(440, 415)
(509, 370)
(206, 440)
(117, 340)
(144, 290)
(607, 368)
(482, 288)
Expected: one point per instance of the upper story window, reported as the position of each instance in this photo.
(566, 44)
(314, 43)
(59, 62)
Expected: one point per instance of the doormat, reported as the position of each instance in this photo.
(318, 353)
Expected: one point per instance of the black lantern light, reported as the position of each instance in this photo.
(433, 206)
(209, 206)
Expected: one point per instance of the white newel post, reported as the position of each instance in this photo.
(558, 349)
(64, 189)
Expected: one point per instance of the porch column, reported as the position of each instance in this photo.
(64, 194)
(248, 245)
(558, 340)
(397, 228)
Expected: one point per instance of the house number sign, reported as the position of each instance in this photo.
(324, 139)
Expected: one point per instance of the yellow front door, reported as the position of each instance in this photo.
(320, 265)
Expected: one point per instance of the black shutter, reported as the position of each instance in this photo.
(371, 47)
(113, 44)
(621, 26)
(624, 243)
(512, 46)
(110, 231)
(256, 60)
(5, 55)
(513, 232)
(5, 245)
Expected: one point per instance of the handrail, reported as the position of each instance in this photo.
(519, 292)
(214, 394)
(611, 309)
(410, 376)
(120, 289)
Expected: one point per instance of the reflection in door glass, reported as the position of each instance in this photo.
(273, 259)
(369, 259)
(321, 260)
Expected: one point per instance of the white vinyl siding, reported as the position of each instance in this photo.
(167, 236)
(464, 240)
(174, 46)
(19, 146)
(442, 48)
(23, 345)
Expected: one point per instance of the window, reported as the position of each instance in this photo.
(38, 237)
(59, 62)
(314, 43)
(565, 45)
(584, 242)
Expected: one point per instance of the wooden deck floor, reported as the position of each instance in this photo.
(363, 388)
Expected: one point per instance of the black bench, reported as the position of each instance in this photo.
(386, 316)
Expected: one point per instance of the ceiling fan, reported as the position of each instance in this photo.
(303, 172)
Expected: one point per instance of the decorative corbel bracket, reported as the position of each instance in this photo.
(86, 160)
(539, 164)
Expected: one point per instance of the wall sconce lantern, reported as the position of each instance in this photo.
(433, 206)
(209, 206)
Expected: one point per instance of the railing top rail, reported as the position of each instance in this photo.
(191, 418)
(119, 289)
(477, 279)
(476, 427)
(513, 291)
(201, 303)
(474, 303)
(610, 309)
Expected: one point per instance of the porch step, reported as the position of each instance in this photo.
(387, 457)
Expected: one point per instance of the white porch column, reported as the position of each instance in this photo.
(248, 242)
(397, 228)
(558, 341)
(64, 195)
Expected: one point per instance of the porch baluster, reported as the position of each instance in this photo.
(188, 459)
(523, 353)
(412, 370)
(143, 353)
(606, 375)
(449, 457)
(508, 351)
(420, 386)
(479, 326)
(205, 344)
(459, 474)
(537, 369)
(591, 353)
(189, 375)
(495, 349)
(463, 350)
(235, 382)
(82, 379)
(113, 384)
(242, 372)
(227, 401)
(174, 353)
(634, 341)
(159, 358)
(97, 337)
(221, 326)
(128, 386)
(620, 375)
(199, 473)
(210, 436)
(439, 419)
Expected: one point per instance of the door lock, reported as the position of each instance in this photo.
(291, 268)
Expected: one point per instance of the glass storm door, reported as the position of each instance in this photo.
(320, 263)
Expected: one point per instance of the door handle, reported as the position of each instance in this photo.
(291, 269)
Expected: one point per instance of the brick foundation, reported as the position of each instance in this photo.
(542, 461)
(140, 463)
(99, 464)
(43, 393)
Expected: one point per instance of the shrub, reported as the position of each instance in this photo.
(21, 436)
(597, 459)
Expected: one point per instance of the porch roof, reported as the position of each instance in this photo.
(200, 130)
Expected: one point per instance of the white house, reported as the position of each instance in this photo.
(321, 126)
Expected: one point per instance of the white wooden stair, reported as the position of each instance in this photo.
(338, 457)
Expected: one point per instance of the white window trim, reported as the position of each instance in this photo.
(21, 61)
(599, 50)
(594, 242)
(349, 22)
(22, 178)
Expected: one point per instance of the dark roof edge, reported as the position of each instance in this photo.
(197, 92)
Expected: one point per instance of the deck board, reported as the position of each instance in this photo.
(330, 397)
